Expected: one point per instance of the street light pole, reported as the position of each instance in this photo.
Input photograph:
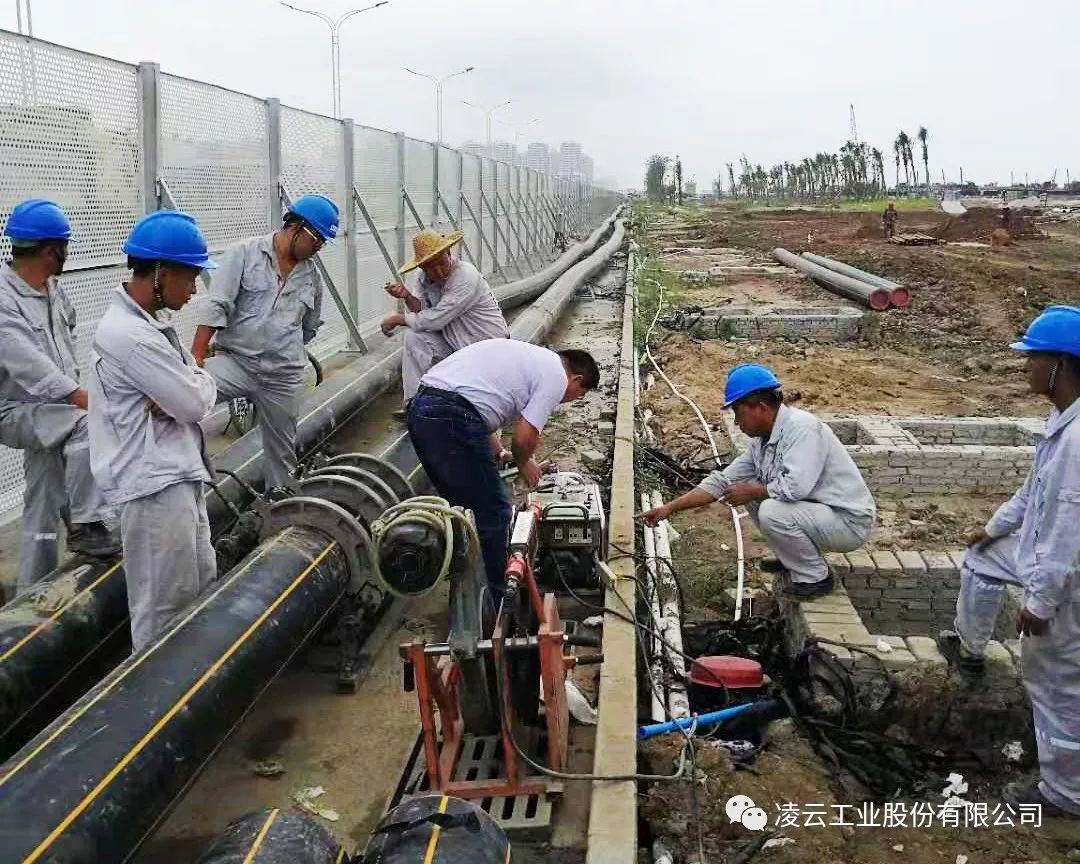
(488, 112)
(335, 45)
(438, 82)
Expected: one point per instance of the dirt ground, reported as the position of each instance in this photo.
(788, 771)
(946, 354)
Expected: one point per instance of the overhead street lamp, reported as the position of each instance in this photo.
(438, 82)
(488, 111)
(335, 45)
(519, 129)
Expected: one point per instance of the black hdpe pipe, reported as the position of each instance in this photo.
(96, 782)
(48, 656)
(75, 794)
(533, 324)
(874, 296)
(274, 837)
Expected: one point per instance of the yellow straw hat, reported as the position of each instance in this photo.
(427, 244)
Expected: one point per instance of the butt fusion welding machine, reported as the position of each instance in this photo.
(486, 679)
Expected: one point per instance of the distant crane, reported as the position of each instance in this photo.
(854, 130)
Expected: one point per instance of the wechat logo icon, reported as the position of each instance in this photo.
(742, 809)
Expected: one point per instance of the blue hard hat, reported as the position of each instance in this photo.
(37, 219)
(747, 378)
(319, 212)
(169, 235)
(1056, 330)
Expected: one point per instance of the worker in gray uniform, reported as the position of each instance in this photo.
(1034, 540)
(451, 307)
(264, 305)
(799, 483)
(42, 406)
(147, 449)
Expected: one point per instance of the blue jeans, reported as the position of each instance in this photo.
(454, 446)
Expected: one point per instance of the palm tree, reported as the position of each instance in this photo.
(922, 135)
(731, 177)
(879, 167)
(655, 169)
(903, 148)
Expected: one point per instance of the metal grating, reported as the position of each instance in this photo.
(376, 174)
(449, 186)
(525, 817)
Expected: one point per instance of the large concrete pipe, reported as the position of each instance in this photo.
(898, 294)
(533, 324)
(59, 639)
(873, 296)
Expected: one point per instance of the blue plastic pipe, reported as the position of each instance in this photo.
(709, 719)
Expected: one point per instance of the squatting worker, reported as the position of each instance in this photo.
(455, 418)
(42, 406)
(147, 449)
(453, 306)
(265, 305)
(1034, 540)
(888, 220)
(802, 488)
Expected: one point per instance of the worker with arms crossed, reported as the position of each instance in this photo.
(802, 488)
(455, 418)
(147, 449)
(42, 406)
(264, 305)
(1033, 540)
(451, 307)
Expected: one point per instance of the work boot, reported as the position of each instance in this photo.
(399, 415)
(770, 565)
(954, 651)
(1028, 795)
(808, 590)
(93, 539)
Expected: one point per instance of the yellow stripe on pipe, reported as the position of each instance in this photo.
(177, 706)
(340, 855)
(254, 850)
(14, 648)
(108, 688)
(436, 830)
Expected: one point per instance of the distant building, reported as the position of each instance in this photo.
(538, 157)
(474, 148)
(504, 151)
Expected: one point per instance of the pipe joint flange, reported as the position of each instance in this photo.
(391, 475)
(358, 498)
(329, 518)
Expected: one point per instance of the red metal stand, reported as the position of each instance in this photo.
(436, 681)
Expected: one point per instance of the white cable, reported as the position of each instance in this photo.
(735, 514)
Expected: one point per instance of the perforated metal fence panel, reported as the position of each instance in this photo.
(73, 128)
(312, 162)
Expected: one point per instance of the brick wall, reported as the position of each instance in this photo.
(828, 324)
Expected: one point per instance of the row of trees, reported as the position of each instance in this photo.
(856, 171)
(662, 184)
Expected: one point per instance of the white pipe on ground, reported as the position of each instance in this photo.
(656, 663)
(678, 701)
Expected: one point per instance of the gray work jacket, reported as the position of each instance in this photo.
(261, 319)
(463, 308)
(137, 360)
(37, 341)
(803, 460)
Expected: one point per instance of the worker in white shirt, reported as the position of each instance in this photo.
(147, 449)
(799, 483)
(455, 418)
(451, 307)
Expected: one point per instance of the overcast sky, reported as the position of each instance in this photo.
(995, 83)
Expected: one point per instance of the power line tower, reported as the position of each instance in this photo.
(854, 131)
